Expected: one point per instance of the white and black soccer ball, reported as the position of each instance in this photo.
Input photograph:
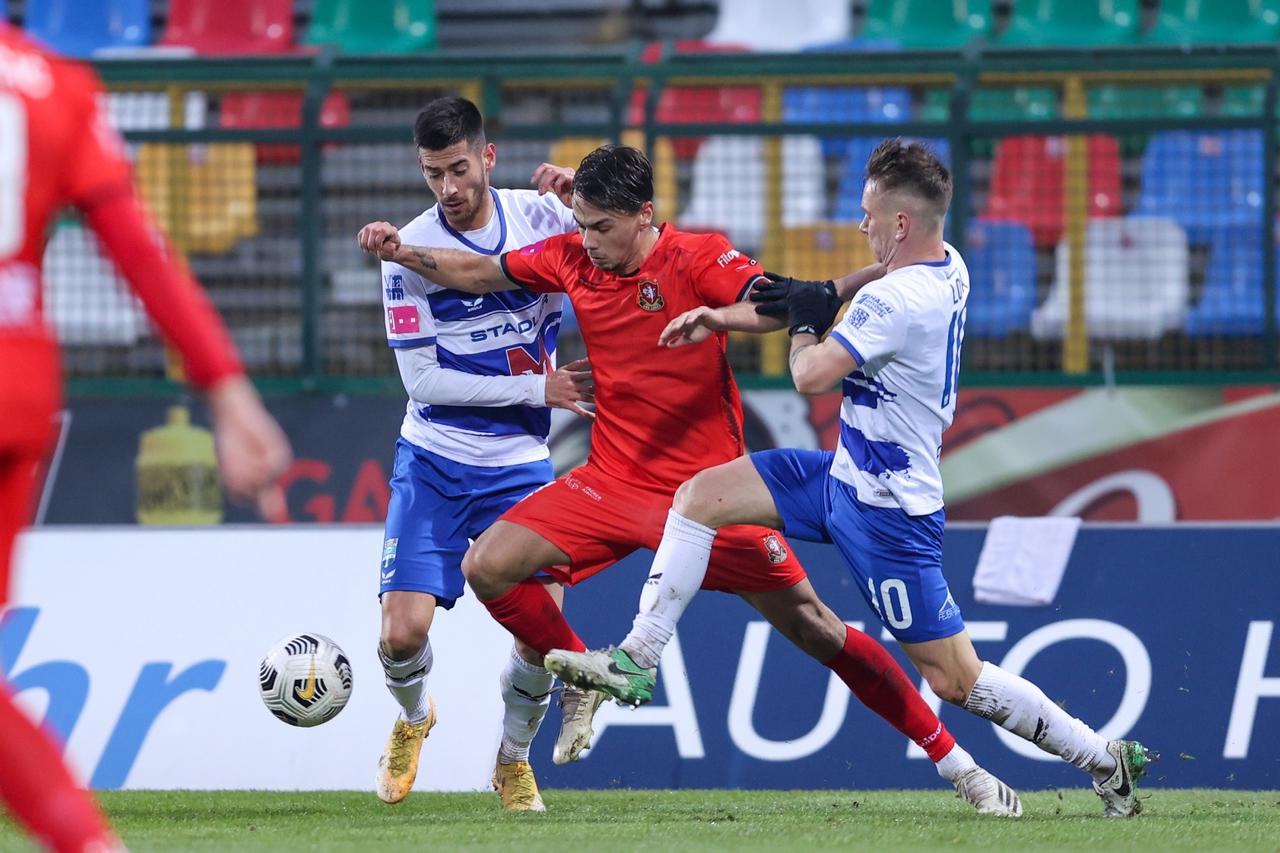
(305, 680)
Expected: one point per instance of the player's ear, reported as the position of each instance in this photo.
(646, 214)
(490, 156)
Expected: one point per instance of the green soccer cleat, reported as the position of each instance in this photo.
(610, 671)
(1119, 792)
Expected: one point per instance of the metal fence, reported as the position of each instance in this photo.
(1115, 209)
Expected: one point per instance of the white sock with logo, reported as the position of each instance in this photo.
(526, 692)
(955, 763)
(679, 567)
(407, 681)
(1018, 706)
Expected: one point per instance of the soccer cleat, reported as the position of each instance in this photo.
(988, 794)
(578, 709)
(1119, 791)
(611, 671)
(514, 782)
(398, 765)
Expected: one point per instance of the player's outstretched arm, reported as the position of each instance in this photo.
(451, 268)
(847, 286)
(697, 325)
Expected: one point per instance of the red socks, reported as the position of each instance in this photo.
(529, 612)
(40, 793)
(877, 680)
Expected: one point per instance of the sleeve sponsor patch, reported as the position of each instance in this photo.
(403, 320)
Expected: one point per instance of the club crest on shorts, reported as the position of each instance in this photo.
(648, 295)
(389, 548)
(774, 548)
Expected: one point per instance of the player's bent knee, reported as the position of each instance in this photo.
(698, 498)
(402, 640)
(948, 686)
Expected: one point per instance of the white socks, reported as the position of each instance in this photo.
(955, 764)
(1017, 705)
(407, 681)
(678, 568)
(526, 692)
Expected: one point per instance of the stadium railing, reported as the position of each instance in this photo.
(1114, 204)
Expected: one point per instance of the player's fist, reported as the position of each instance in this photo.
(555, 179)
(381, 239)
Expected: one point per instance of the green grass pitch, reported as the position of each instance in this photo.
(685, 820)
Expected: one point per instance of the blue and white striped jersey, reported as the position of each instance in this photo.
(510, 333)
(905, 330)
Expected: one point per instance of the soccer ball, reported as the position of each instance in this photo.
(305, 680)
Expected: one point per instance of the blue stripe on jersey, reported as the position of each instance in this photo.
(861, 390)
(405, 343)
(874, 457)
(491, 420)
(449, 306)
(502, 232)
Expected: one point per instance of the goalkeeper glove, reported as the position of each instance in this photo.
(809, 306)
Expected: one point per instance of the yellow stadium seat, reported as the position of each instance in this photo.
(825, 250)
(214, 185)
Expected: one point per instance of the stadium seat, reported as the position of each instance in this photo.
(805, 104)
(1233, 301)
(217, 185)
(696, 104)
(279, 110)
(1070, 23)
(1001, 258)
(230, 26)
(81, 27)
(1189, 22)
(84, 298)
(1027, 183)
(917, 24)
(1135, 280)
(1203, 180)
(853, 170)
(756, 24)
(1243, 101)
(824, 250)
(1019, 103)
(728, 191)
(374, 26)
(1145, 101)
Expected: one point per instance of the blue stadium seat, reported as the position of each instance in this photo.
(1002, 269)
(1232, 303)
(853, 168)
(80, 27)
(845, 103)
(1203, 180)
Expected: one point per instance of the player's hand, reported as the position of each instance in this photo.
(811, 305)
(381, 239)
(570, 385)
(555, 179)
(252, 449)
(691, 327)
(770, 296)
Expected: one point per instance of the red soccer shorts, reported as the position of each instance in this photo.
(597, 520)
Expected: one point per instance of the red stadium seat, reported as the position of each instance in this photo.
(279, 109)
(1027, 183)
(230, 26)
(697, 104)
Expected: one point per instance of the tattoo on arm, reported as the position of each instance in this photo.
(795, 353)
(424, 257)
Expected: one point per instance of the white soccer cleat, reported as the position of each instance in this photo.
(988, 794)
(1119, 791)
(578, 708)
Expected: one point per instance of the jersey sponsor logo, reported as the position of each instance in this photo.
(858, 317)
(403, 320)
(25, 71)
(949, 610)
(533, 248)
(499, 331)
(473, 304)
(648, 296)
(725, 259)
(874, 304)
(394, 286)
(774, 548)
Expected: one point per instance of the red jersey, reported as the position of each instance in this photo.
(662, 415)
(57, 150)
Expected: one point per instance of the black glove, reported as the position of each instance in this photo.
(810, 306)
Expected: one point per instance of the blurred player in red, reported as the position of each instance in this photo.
(662, 414)
(56, 151)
